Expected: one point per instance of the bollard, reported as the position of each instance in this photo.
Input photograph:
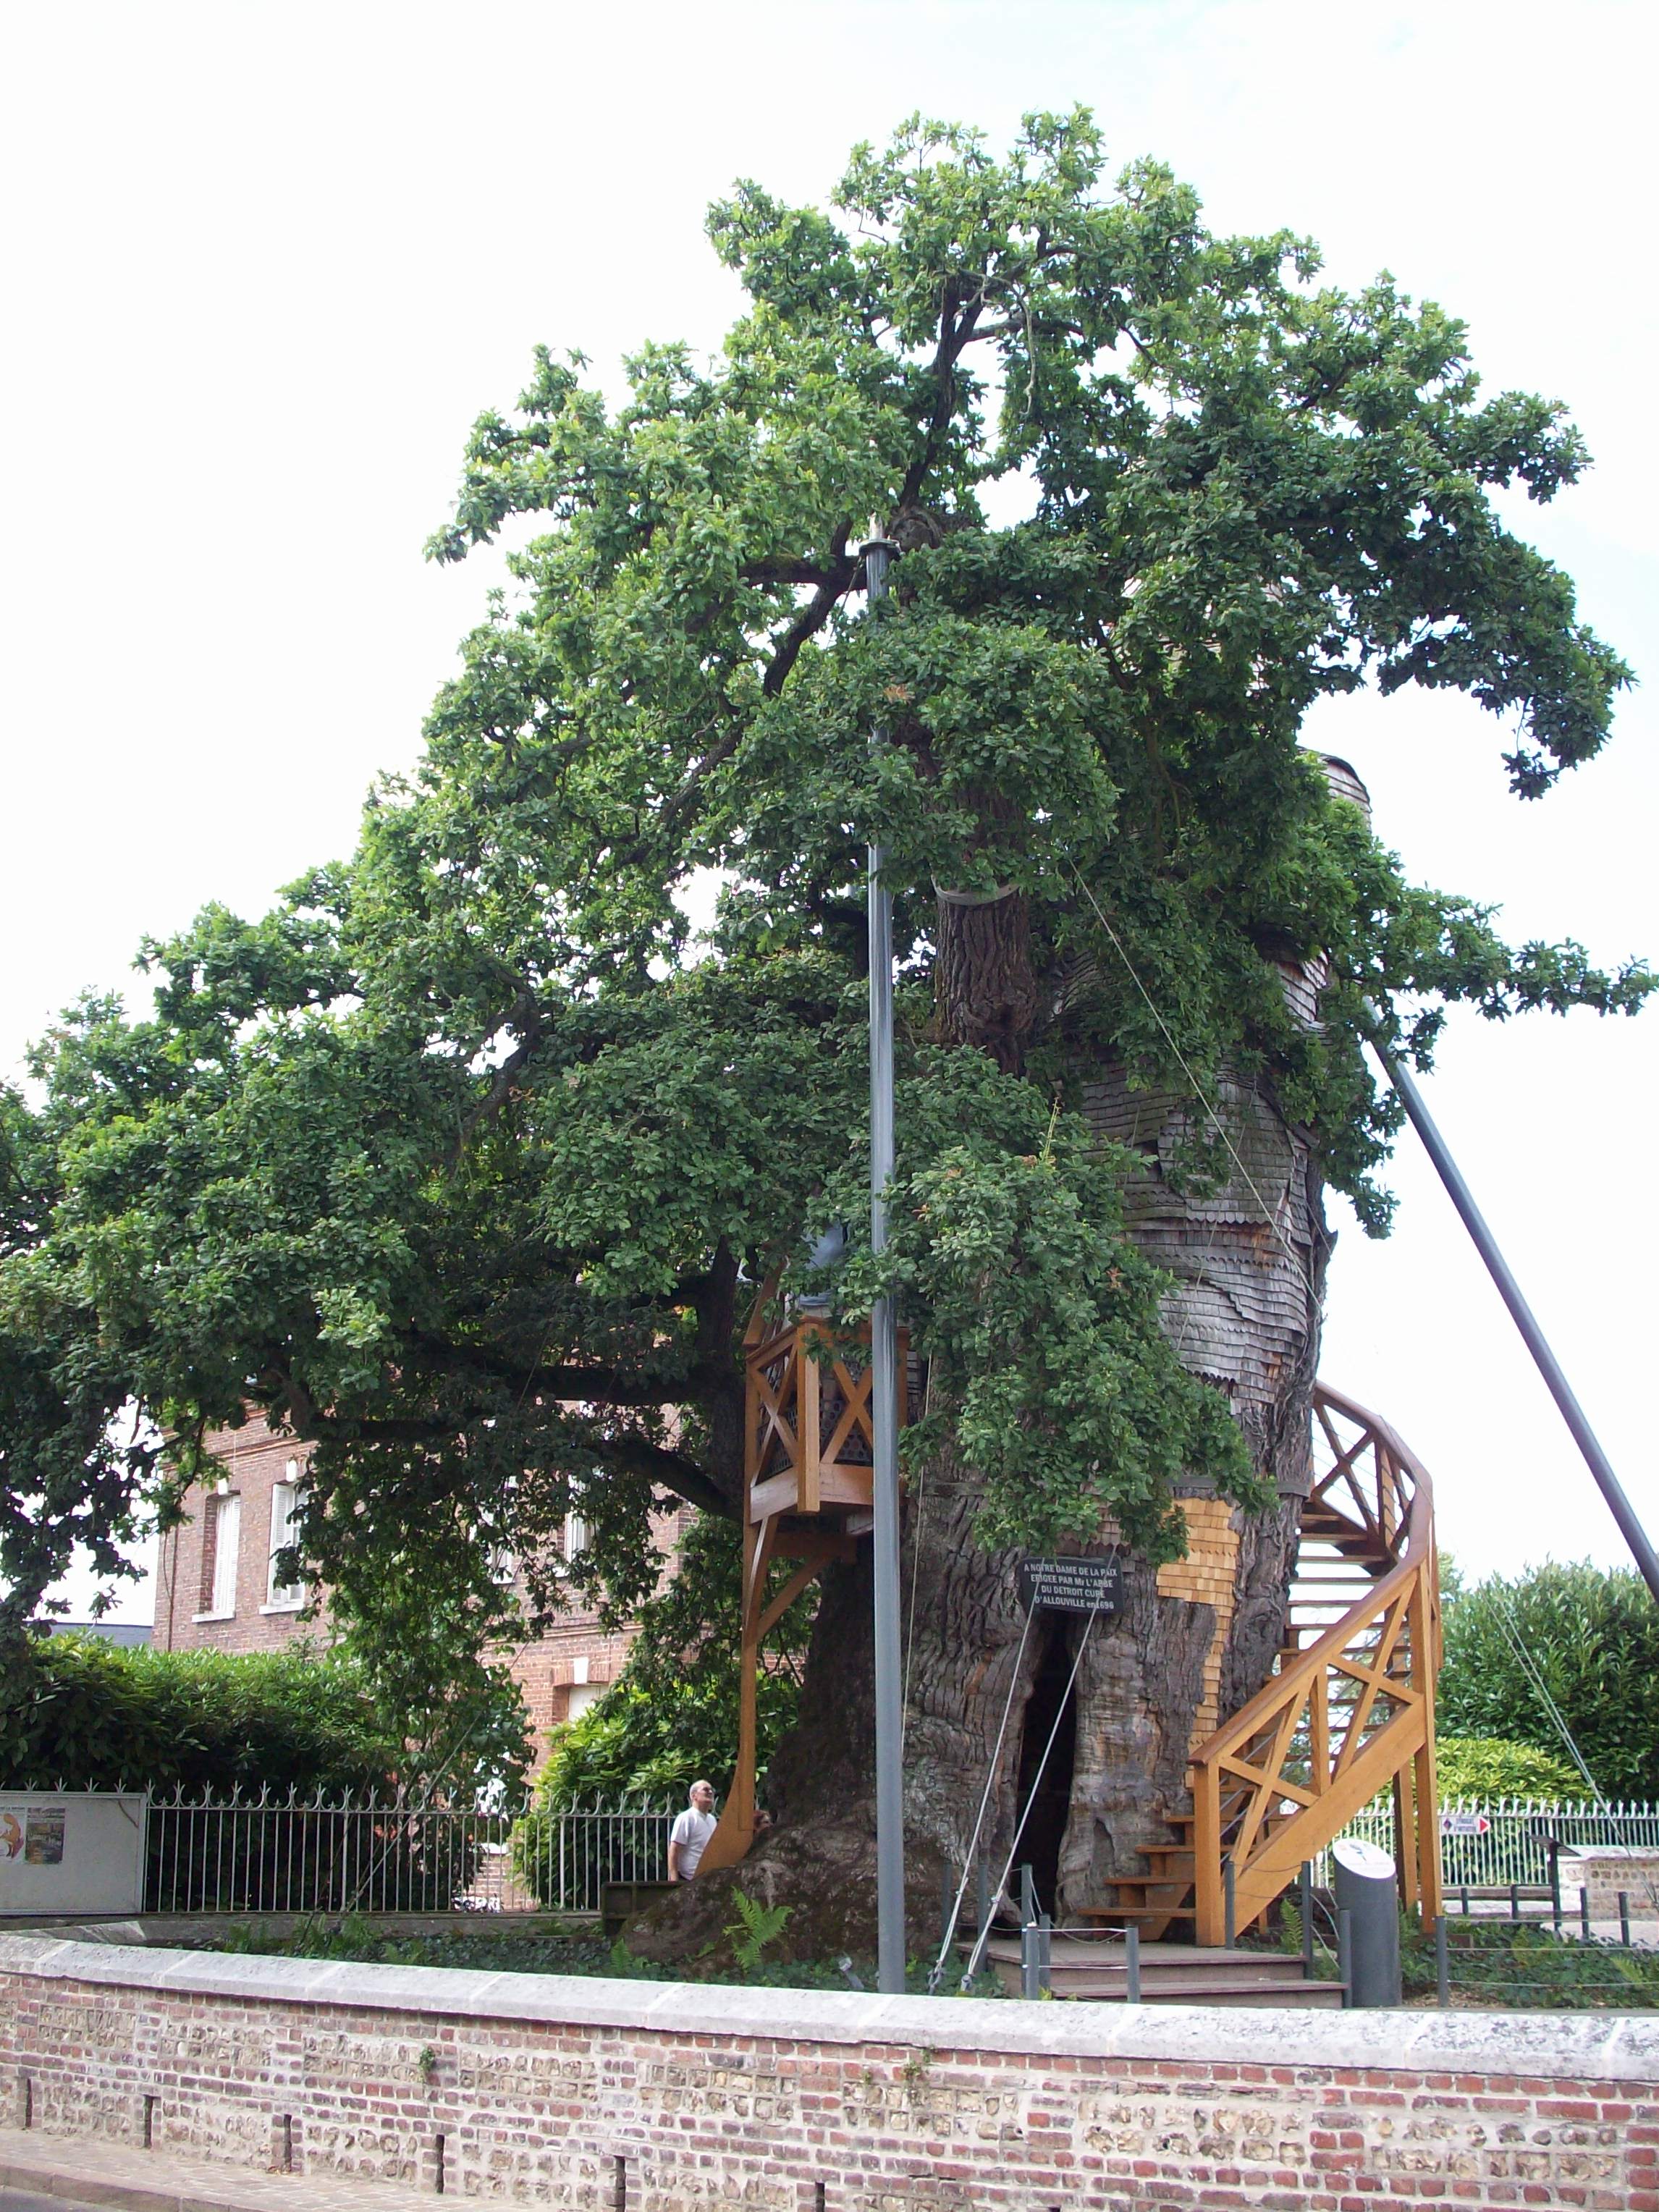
(1623, 1917)
(1030, 1983)
(1230, 1886)
(1442, 1965)
(1583, 1911)
(1132, 1963)
(1344, 1952)
(1028, 1909)
(1367, 1888)
(1514, 1900)
(1555, 1882)
(1464, 1894)
(1045, 1952)
(1307, 1919)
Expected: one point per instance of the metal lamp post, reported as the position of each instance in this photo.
(883, 1401)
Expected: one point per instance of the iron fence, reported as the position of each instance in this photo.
(250, 1854)
(242, 1853)
(1513, 1847)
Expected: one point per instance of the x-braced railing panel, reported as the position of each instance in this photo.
(1350, 1712)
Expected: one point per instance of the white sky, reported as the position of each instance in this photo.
(263, 264)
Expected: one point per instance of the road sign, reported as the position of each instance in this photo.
(1464, 1823)
(1094, 1586)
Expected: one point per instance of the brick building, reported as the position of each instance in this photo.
(217, 1586)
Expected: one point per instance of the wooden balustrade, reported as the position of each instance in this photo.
(808, 1494)
(1350, 1711)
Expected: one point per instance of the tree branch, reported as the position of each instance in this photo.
(526, 1016)
(671, 1470)
(813, 615)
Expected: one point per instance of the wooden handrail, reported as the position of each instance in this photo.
(1278, 1782)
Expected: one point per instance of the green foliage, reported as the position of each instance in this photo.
(670, 1718)
(1592, 1635)
(1486, 1768)
(1501, 1965)
(463, 1162)
(756, 1926)
(502, 1950)
(1008, 1247)
(90, 1714)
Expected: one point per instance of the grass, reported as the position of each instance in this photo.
(357, 1937)
(1506, 1966)
(1523, 1967)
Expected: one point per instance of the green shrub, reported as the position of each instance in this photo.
(1592, 1636)
(672, 1715)
(1488, 1767)
(90, 1715)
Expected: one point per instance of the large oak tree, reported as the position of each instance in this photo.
(465, 1161)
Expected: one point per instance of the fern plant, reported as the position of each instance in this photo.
(756, 1926)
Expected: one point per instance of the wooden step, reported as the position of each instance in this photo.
(1110, 1915)
(1171, 1973)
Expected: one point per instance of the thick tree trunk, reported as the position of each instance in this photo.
(984, 1685)
(985, 1690)
(1194, 1641)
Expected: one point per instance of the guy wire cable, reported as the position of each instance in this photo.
(1269, 1214)
(1511, 1631)
(1037, 1779)
(985, 1798)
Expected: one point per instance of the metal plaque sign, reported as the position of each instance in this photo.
(1094, 1586)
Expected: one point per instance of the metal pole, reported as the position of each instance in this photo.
(1132, 1963)
(1623, 1917)
(1442, 1965)
(1521, 1313)
(1555, 1881)
(883, 1405)
(1307, 1919)
(1229, 1878)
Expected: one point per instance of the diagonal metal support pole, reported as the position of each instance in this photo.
(1521, 1313)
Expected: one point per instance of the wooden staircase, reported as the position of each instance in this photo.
(1348, 1711)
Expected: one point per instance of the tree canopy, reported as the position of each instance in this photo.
(466, 1160)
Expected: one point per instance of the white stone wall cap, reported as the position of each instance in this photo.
(1573, 2046)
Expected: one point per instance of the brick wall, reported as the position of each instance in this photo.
(559, 1673)
(1207, 1576)
(810, 2101)
(254, 1461)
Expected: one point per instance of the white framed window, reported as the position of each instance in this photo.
(575, 1535)
(283, 1598)
(222, 1546)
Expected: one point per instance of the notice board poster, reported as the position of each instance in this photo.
(71, 1853)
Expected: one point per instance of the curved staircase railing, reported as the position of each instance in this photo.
(1350, 1709)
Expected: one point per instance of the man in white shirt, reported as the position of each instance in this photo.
(688, 1839)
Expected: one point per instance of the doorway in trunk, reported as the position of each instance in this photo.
(1049, 1799)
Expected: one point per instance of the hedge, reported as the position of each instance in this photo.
(80, 1712)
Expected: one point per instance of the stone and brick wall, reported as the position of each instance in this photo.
(670, 2097)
